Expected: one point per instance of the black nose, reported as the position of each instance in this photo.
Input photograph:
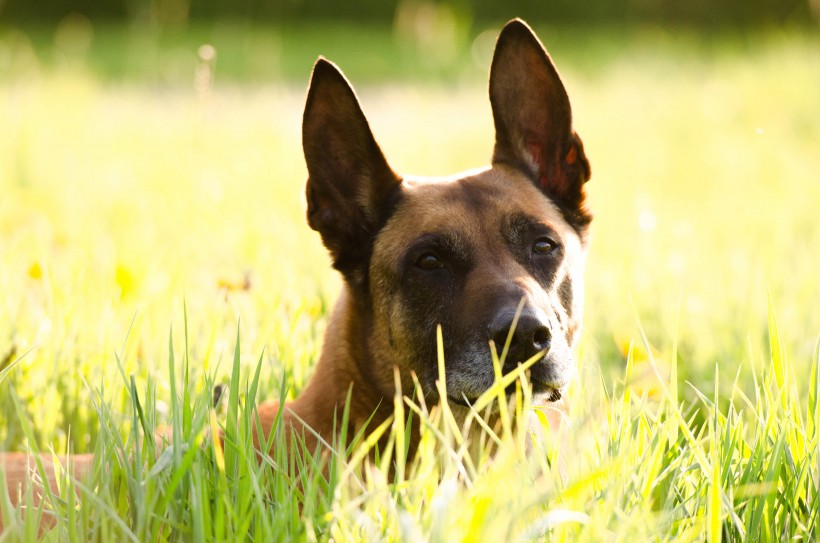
(530, 336)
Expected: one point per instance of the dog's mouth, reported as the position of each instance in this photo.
(549, 393)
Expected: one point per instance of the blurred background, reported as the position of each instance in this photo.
(150, 164)
(153, 40)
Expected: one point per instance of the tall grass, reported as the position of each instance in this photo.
(126, 210)
(627, 467)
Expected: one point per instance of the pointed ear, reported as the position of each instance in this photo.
(350, 186)
(533, 121)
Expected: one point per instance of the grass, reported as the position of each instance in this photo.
(137, 204)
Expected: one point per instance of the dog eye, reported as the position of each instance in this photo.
(429, 261)
(543, 246)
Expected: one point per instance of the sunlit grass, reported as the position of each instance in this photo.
(627, 466)
(122, 205)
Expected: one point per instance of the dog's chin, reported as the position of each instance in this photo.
(540, 394)
(547, 394)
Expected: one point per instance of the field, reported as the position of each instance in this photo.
(153, 243)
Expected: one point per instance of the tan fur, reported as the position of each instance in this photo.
(21, 469)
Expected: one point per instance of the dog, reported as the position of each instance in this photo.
(460, 252)
(487, 255)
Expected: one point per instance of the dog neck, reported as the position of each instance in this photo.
(344, 370)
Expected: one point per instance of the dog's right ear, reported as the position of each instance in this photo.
(350, 185)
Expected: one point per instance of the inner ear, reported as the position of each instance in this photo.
(533, 118)
(350, 185)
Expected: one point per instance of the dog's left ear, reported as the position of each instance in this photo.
(349, 184)
(533, 120)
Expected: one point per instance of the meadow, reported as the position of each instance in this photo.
(153, 243)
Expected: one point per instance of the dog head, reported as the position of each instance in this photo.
(473, 252)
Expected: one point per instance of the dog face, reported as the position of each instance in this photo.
(466, 252)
